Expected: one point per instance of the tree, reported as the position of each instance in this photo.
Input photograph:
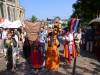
(57, 18)
(34, 18)
(86, 10)
(64, 25)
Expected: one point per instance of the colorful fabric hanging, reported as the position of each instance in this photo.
(72, 23)
(77, 25)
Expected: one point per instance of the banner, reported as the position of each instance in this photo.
(72, 24)
(77, 25)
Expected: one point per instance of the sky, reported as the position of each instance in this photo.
(48, 8)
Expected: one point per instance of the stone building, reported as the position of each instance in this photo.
(11, 10)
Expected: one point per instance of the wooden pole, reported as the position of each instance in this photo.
(74, 67)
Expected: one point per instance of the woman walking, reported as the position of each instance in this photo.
(52, 54)
(36, 56)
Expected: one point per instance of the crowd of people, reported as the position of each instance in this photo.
(42, 53)
(10, 47)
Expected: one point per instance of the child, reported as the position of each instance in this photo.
(10, 43)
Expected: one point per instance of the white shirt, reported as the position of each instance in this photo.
(4, 34)
(70, 38)
(42, 36)
(16, 38)
(23, 35)
(78, 36)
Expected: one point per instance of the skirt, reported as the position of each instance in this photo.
(36, 58)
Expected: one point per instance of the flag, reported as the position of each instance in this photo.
(72, 23)
(77, 25)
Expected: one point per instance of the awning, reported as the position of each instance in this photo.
(15, 24)
(8, 24)
(97, 20)
(5, 23)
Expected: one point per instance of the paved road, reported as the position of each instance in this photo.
(86, 64)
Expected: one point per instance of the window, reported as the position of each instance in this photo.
(9, 0)
(12, 1)
(9, 16)
(14, 13)
(1, 10)
(1, 0)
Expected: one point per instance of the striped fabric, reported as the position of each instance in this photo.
(77, 25)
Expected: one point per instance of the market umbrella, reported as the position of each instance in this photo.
(97, 20)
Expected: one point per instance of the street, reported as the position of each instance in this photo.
(86, 64)
(32, 30)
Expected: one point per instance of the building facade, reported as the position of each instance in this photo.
(11, 10)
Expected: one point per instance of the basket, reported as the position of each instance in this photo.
(32, 27)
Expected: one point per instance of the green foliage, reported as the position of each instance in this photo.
(64, 25)
(86, 10)
(34, 18)
(57, 18)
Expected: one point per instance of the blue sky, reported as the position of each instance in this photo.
(48, 8)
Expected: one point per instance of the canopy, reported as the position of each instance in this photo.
(97, 20)
(5, 23)
(15, 24)
(8, 24)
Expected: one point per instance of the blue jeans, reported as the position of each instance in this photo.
(43, 50)
(43, 47)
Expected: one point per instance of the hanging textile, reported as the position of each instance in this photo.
(72, 23)
(77, 25)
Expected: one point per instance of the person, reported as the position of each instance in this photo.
(16, 32)
(0, 33)
(83, 39)
(78, 38)
(72, 46)
(52, 54)
(4, 36)
(90, 39)
(26, 48)
(10, 44)
(69, 46)
(36, 55)
(66, 45)
(16, 49)
(42, 40)
(23, 35)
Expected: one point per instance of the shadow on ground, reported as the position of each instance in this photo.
(5, 72)
(75, 68)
